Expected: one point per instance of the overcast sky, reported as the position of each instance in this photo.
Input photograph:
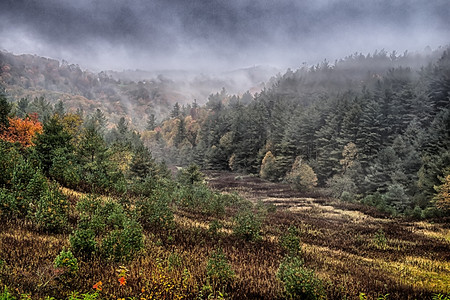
(218, 34)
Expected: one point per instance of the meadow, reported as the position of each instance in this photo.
(346, 251)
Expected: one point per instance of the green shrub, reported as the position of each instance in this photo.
(340, 184)
(218, 269)
(190, 175)
(112, 214)
(441, 297)
(214, 227)
(82, 241)
(66, 261)
(123, 244)
(416, 213)
(299, 282)
(380, 240)
(101, 217)
(154, 212)
(396, 197)
(347, 197)
(120, 235)
(9, 156)
(88, 205)
(200, 198)
(431, 212)
(174, 261)
(248, 226)
(87, 296)
(111, 246)
(6, 295)
(290, 242)
(216, 205)
(229, 199)
(52, 210)
(27, 185)
(373, 199)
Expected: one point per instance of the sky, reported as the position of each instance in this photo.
(212, 35)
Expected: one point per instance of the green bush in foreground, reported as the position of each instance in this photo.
(291, 242)
(248, 226)
(218, 269)
(82, 241)
(52, 210)
(123, 244)
(106, 229)
(299, 282)
(66, 261)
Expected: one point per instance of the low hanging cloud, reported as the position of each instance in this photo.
(216, 34)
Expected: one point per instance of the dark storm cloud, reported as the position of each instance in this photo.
(212, 33)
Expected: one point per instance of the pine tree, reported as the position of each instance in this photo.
(439, 87)
(22, 107)
(5, 109)
(122, 126)
(92, 146)
(328, 148)
(60, 109)
(142, 164)
(151, 123)
(42, 107)
(382, 170)
(369, 140)
(53, 137)
(175, 113)
(181, 133)
(97, 121)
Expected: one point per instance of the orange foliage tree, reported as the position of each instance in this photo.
(22, 130)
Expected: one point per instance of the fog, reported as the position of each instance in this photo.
(214, 35)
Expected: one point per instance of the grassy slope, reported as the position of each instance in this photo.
(341, 241)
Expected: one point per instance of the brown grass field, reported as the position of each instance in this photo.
(340, 241)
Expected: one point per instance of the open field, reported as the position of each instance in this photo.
(352, 248)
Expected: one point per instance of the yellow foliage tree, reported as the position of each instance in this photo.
(72, 125)
(268, 167)
(442, 198)
(302, 176)
(349, 155)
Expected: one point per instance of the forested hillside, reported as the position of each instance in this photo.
(135, 95)
(373, 128)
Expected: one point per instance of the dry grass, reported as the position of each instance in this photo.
(339, 241)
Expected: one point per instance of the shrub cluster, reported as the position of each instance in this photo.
(106, 229)
(25, 193)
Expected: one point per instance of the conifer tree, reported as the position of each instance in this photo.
(53, 137)
(5, 109)
(151, 122)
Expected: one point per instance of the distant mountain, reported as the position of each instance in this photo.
(134, 94)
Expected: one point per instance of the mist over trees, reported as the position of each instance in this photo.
(372, 128)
